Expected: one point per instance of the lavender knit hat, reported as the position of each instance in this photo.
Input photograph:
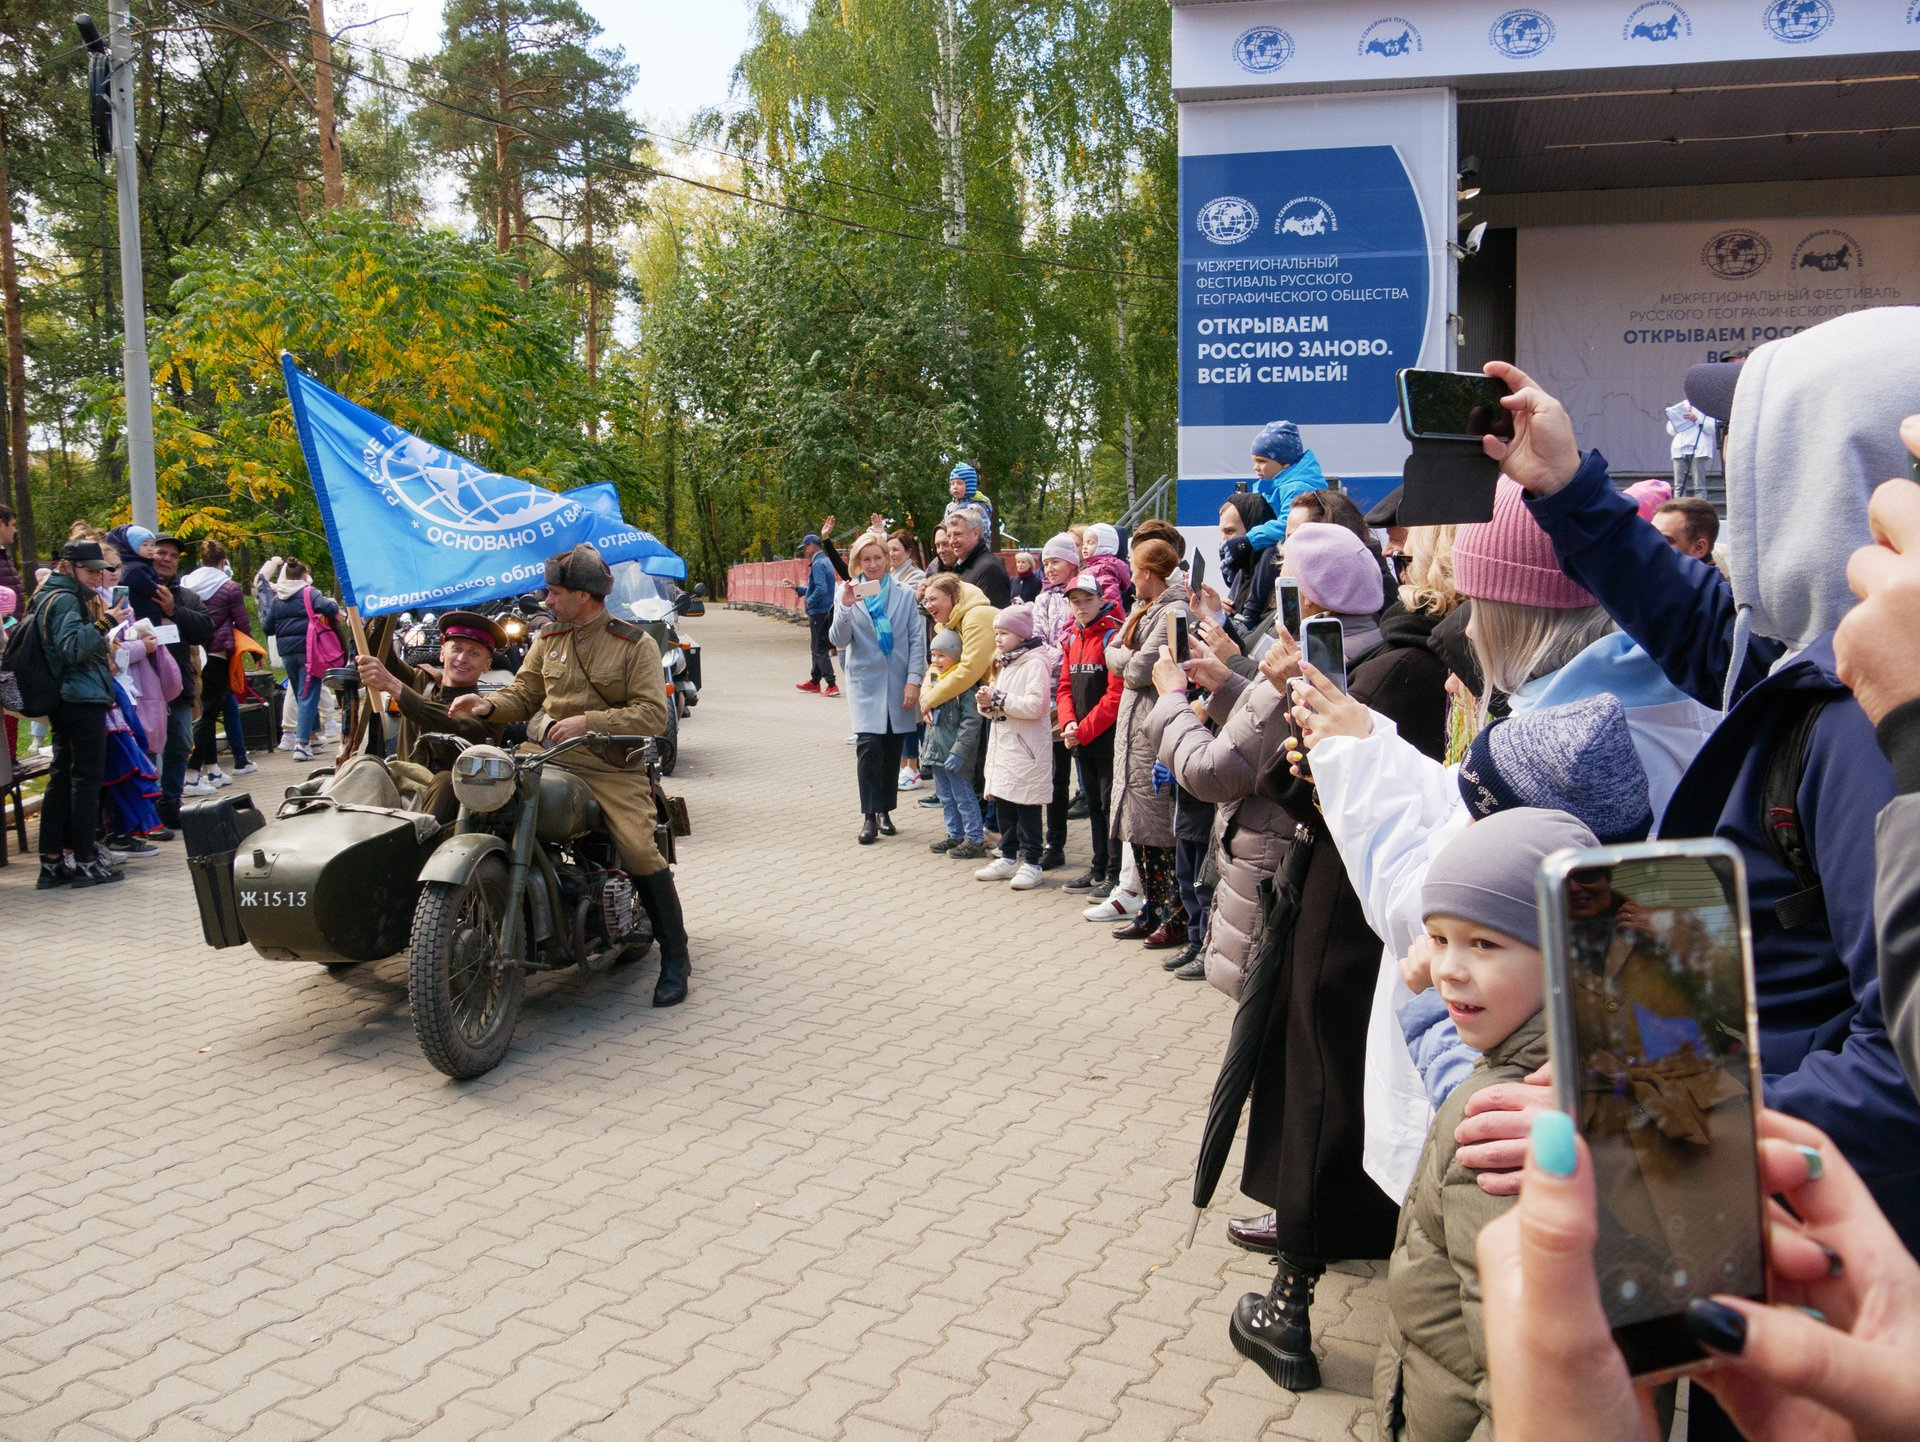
(1335, 569)
(1062, 547)
(1510, 559)
(1015, 620)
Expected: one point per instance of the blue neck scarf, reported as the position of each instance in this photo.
(877, 610)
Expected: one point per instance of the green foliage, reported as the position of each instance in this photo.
(422, 327)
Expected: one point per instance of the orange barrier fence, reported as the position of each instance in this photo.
(766, 583)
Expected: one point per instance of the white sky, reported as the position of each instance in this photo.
(686, 49)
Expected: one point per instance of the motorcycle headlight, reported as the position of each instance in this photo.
(483, 778)
(513, 628)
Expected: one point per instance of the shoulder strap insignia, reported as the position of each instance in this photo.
(625, 630)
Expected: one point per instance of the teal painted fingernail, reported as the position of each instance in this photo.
(1816, 1164)
(1553, 1149)
(1813, 1312)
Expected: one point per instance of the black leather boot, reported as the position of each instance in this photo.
(869, 828)
(1275, 1331)
(885, 821)
(661, 901)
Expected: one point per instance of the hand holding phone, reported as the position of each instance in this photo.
(1286, 603)
(1651, 1019)
(1453, 406)
(1177, 639)
(1325, 646)
(866, 590)
(116, 597)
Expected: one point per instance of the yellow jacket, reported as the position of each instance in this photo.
(972, 616)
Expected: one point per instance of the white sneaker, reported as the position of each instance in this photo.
(302, 753)
(215, 777)
(199, 788)
(287, 743)
(247, 770)
(1120, 906)
(1026, 878)
(909, 779)
(1001, 868)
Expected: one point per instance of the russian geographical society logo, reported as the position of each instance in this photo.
(1913, 13)
(1392, 37)
(1307, 216)
(1829, 251)
(1794, 22)
(1228, 220)
(1263, 49)
(1736, 254)
(1521, 34)
(1658, 21)
(451, 492)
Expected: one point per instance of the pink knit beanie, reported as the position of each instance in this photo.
(1650, 496)
(1510, 559)
(1015, 620)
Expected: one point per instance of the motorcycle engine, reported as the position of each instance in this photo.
(619, 906)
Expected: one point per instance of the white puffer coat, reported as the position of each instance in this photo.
(1020, 741)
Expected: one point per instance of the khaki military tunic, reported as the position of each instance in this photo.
(608, 671)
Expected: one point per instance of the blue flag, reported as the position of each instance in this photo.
(412, 524)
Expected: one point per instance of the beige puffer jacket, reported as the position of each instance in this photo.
(1430, 1382)
(1251, 830)
(1139, 816)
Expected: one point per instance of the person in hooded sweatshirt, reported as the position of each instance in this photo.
(1813, 427)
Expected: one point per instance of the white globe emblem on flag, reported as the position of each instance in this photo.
(450, 491)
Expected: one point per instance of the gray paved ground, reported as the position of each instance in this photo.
(912, 1162)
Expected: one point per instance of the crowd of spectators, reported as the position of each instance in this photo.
(148, 657)
(1591, 665)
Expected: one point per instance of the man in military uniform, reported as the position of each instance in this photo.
(467, 644)
(590, 671)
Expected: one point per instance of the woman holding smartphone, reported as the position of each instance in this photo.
(883, 642)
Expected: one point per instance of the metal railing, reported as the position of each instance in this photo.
(1150, 502)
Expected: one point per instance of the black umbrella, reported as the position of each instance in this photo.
(1280, 906)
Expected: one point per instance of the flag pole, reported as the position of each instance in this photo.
(362, 721)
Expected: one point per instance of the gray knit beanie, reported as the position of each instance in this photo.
(1486, 873)
(1577, 758)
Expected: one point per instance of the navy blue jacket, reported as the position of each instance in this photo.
(285, 619)
(1824, 1046)
(818, 597)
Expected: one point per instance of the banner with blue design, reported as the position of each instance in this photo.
(1303, 285)
(413, 524)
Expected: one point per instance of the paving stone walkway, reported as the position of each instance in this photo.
(912, 1162)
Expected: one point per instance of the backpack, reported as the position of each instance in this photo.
(1785, 837)
(324, 651)
(27, 661)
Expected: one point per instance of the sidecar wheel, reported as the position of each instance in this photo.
(465, 998)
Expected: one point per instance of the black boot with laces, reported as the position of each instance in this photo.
(1275, 1331)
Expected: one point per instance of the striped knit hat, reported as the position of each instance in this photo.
(1510, 559)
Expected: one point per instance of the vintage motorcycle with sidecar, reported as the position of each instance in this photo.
(348, 870)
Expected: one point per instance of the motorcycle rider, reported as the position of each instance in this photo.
(467, 643)
(590, 671)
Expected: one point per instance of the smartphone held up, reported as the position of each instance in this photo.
(1325, 647)
(1652, 1026)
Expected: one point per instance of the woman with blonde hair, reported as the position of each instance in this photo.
(1142, 808)
(883, 645)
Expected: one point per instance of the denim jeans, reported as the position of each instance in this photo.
(959, 804)
(1196, 900)
(173, 758)
(306, 700)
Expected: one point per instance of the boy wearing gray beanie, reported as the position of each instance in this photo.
(1483, 937)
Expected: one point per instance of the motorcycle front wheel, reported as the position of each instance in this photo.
(465, 998)
(667, 747)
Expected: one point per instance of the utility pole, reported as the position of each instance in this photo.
(118, 47)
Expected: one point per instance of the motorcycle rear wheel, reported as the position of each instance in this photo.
(667, 747)
(465, 1001)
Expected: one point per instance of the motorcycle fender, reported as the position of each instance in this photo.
(456, 858)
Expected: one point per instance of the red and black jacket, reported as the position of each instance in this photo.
(1089, 693)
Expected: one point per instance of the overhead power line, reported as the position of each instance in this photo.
(653, 172)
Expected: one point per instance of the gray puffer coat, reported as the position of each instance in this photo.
(1139, 816)
(1251, 830)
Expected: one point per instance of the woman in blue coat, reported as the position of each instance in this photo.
(883, 642)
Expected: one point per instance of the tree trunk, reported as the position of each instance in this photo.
(593, 295)
(21, 477)
(1126, 390)
(333, 182)
(667, 518)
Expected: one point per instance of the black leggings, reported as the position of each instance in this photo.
(1057, 806)
(70, 814)
(876, 765)
(1096, 784)
(1156, 875)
